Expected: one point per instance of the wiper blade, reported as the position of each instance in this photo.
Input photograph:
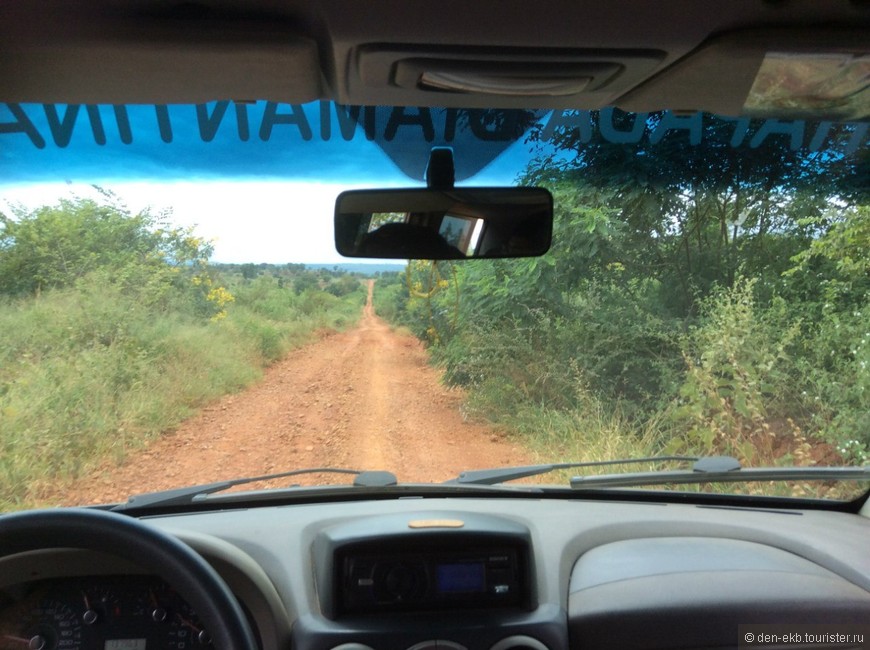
(710, 469)
(503, 474)
(736, 475)
(191, 493)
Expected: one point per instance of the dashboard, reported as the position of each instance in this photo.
(457, 574)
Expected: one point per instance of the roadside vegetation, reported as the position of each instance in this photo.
(115, 327)
(685, 308)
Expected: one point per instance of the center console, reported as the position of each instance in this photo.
(419, 563)
(424, 581)
(437, 573)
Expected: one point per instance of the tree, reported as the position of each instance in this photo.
(249, 271)
(700, 196)
(53, 246)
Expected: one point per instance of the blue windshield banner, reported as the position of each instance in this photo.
(327, 141)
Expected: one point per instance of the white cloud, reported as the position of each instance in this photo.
(249, 221)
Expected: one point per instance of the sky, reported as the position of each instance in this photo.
(260, 181)
(272, 221)
(248, 221)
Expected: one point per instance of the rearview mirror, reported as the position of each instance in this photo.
(456, 223)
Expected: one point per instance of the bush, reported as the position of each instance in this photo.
(835, 378)
(89, 372)
(738, 377)
(55, 246)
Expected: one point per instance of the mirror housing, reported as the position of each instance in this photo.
(441, 224)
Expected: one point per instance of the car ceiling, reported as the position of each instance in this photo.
(636, 54)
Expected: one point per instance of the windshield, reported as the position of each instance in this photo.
(174, 312)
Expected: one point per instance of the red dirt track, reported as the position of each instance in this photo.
(361, 399)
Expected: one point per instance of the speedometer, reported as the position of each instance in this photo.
(51, 625)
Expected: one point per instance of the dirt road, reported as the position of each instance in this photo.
(362, 399)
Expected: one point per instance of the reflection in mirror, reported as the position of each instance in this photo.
(457, 223)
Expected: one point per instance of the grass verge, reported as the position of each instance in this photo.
(93, 372)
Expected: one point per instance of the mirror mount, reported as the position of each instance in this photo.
(440, 172)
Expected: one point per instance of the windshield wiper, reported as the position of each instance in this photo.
(709, 469)
(722, 469)
(192, 493)
(503, 474)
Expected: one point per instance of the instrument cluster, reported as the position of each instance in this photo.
(98, 613)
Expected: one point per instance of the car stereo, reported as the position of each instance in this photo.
(421, 561)
(491, 576)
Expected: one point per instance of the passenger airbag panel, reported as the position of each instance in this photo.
(694, 592)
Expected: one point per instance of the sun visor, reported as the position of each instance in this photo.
(473, 77)
(160, 71)
(788, 73)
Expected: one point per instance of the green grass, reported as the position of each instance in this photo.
(592, 432)
(90, 373)
(589, 432)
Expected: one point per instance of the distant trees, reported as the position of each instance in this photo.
(249, 271)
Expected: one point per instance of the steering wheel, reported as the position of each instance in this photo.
(153, 550)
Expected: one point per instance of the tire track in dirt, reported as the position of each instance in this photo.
(361, 399)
